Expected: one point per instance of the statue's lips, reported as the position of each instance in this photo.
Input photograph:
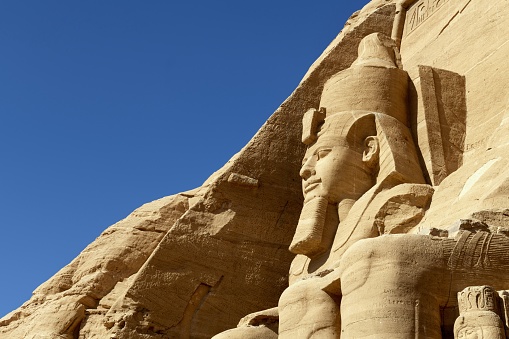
(311, 185)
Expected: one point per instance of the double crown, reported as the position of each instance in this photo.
(374, 82)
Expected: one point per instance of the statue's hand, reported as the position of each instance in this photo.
(264, 317)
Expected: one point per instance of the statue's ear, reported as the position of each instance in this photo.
(371, 151)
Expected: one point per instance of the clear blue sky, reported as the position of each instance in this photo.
(106, 105)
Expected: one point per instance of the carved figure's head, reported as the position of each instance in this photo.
(479, 325)
(478, 306)
(354, 151)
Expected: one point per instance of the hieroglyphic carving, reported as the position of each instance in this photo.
(477, 298)
(421, 11)
(477, 144)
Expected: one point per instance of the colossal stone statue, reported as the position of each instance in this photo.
(362, 162)
(361, 178)
(363, 148)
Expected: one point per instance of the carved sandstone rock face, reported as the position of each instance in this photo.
(412, 127)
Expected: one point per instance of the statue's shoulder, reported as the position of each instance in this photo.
(400, 208)
(385, 209)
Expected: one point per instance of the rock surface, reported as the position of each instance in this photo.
(412, 141)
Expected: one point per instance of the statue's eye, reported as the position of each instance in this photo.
(322, 153)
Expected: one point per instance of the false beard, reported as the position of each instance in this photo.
(310, 234)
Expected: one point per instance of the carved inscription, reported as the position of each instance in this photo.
(421, 11)
(477, 144)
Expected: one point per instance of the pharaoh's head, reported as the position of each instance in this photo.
(359, 140)
(354, 151)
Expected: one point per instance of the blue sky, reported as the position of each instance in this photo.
(106, 105)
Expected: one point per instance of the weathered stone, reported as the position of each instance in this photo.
(406, 194)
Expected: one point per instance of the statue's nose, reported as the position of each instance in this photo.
(307, 170)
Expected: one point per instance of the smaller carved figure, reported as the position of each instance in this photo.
(479, 317)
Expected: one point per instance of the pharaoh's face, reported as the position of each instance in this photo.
(334, 171)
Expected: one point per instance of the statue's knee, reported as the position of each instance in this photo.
(293, 299)
(304, 308)
(299, 292)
